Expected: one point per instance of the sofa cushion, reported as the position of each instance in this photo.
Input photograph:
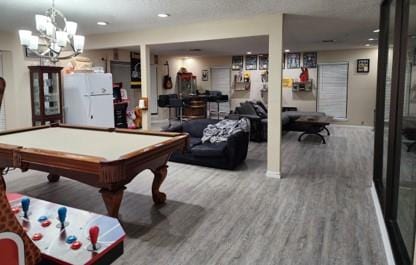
(196, 127)
(209, 149)
(193, 141)
(247, 108)
(285, 119)
(260, 111)
(294, 115)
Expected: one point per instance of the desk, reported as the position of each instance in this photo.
(104, 158)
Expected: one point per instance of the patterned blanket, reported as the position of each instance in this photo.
(219, 132)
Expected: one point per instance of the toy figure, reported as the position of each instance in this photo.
(304, 76)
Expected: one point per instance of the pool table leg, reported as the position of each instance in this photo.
(53, 178)
(160, 175)
(112, 200)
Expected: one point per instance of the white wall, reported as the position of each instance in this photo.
(195, 65)
(16, 73)
(361, 87)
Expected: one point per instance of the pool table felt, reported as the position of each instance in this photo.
(109, 145)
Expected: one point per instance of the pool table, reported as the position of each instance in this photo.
(105, 158)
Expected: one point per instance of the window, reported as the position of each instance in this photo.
(333, 89)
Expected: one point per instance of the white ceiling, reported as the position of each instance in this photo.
(256, 45)
(350, 22)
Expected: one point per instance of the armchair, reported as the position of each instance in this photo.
(224, 155)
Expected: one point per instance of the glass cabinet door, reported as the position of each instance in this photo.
(36, 93)
(51, 94)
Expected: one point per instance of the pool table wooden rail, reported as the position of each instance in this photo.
(110, 176)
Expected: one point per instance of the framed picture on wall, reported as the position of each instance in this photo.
(204, 76)
(263, 62)
(363, 65)
(310, 59)
(293, 60)
(251, 62)
(237, 63)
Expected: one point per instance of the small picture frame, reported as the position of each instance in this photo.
(237, 63)
(310, 59)
(363, 66)
(251, 62)
(263, 62)
(204, 75)
(293, 60)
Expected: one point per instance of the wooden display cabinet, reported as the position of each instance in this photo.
(46, 94)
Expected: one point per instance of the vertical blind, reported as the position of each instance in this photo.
(221, 81)
(3, 107)
(333, 89)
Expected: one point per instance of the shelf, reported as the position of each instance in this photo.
(242, 86)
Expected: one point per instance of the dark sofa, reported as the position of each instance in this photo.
(257, 113)
(224, 155)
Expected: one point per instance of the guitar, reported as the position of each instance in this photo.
(167, 80)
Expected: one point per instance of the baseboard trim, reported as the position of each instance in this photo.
(382, 225)
(273, 174)
(352, 125)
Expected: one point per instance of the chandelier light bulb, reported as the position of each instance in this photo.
(49, 28)
(71, 27)
(41, 22)
(55, 47)
(24, 36)
(79, 42)
(61, 38)
(34, 42)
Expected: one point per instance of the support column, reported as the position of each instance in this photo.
(274, 129)
(145, 73)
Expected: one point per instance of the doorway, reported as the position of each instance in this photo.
(121, 74)
(221, 81)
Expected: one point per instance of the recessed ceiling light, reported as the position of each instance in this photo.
(163, 15)
(287, 50)
(376, 30)
(372, 39)
(248, 53)
(367, 45)
(328, 41)
(102, 23)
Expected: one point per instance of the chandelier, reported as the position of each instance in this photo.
(55, 34)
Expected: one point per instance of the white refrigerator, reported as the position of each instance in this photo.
(88, 99)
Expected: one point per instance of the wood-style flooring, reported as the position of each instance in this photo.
(320, 212)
